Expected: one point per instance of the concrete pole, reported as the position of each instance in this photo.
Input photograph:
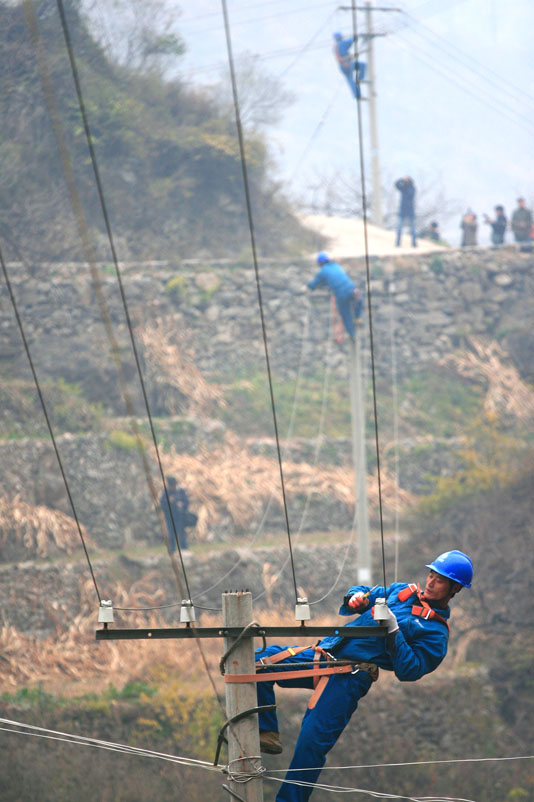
(360, 461)
(243, 736)
(376, 198)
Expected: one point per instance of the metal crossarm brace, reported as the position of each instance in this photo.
(156, 633)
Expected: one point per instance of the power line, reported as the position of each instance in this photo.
(427, 59)
(83, 230)
(81, 740)
(47, 418)
(89, 139)
(369, 301)
(341, 789)
(257, 275)
(307, 45)
(452, 760)
(466, 57)
(255, 20)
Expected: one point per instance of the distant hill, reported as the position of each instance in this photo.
(167, 154)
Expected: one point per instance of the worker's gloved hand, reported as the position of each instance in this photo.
(358, 601)
(392, 623)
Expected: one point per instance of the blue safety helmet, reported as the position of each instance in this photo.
(337, 35)
(322, 258)
(455, 565)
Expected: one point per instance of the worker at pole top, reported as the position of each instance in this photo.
(348, 298)
(415, 645)
(348, 64)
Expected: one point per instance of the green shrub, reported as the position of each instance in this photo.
(177, 288)
(124, 441)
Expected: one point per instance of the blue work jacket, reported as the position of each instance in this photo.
(341, 49)
(415, 650)
(333, 276)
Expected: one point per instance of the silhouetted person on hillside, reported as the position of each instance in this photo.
(175, 510)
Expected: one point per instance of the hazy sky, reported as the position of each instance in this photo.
(455, 84)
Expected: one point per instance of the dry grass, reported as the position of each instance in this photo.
(40, 530)
(72, 662)
(230, 480)
(507, 394)
(171, 371)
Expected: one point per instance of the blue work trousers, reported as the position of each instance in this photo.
(349, 73)
(321, 726)
(350, 307)
(411, 222)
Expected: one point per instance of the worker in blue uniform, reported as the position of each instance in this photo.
(415, 645)
(348, 64)
(348, 298)
(175, 505)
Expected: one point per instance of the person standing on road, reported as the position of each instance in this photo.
(406, 187)
(522, 222)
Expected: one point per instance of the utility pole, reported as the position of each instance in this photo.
(359, 459)
(376, 196)
(243, 734)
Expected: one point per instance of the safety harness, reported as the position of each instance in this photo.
(320, 675)
(423, 609)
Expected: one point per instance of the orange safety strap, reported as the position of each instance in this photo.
(276, 658)
(424, 610)
(270, 676)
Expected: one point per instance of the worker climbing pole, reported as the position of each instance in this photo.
(349, 303)
(352, 68)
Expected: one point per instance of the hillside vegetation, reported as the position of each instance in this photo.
(167, 154)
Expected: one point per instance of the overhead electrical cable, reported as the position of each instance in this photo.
(22, 728)
(395, 406)
(315, 133)
(81, 223)
(290, 428)
(340, 789)
(105, 214)
(119, 365)
(307, 45)
(285, 51)
(412, 763)
(467, 83)
(255, 20)
(369, 301)
(448, 45)
(82, 227)
(48, 421)
(257, 276)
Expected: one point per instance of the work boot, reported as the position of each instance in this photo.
(270, 742)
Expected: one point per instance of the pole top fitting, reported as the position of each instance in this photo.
(105, 611)
(187, 612)
(302, 609)
(381, 610)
